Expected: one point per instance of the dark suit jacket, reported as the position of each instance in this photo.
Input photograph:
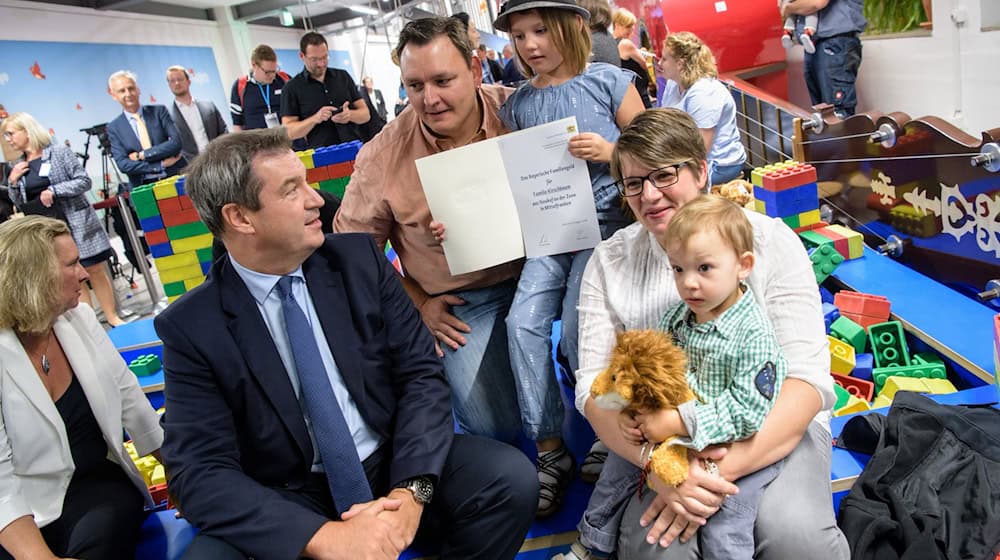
(162, 133)
(381, 110)
(211, 119)
(236, 443)
(495, 70)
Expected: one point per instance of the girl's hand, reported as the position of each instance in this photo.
(437, 230)
(591, 147)
(630, 428)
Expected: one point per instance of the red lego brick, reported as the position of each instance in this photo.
(159, 493)
(339, 170)
(156, 236)
(317, 174)
(860, 388)
(863, 320)
(840, 243)
(179, 218)
(186, 203)
(810, 227)
(790, 177)
(858, 303)
(168, 205)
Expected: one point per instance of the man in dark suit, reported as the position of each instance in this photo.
(376, 108)
(145, 142)
(308, 414)
(199, 122)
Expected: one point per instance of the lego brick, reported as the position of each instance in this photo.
(926, 358)
(179, 218)
(156, 236)
(929, 371)
(817, 225)
(178, 260)
(171, 299)
(864, 364)
(174, 288)
(151, 223)
(788, 175)
(907, 219)
(205, 267)
(317, 174)
(757, 177)
(787, 202)
(180, 186)
(314, 185)
(185, 201)
(192, 283)
(163, 190)
(895, 384)
(180, 274)
(839, 241)
(803, 221)
(813, 238)
(863, 320)
(841, 356)
(888, 344)
(339, 170)
(144, 365)
(857, 387)
(161, 250)
(159, 476)
(204, 254)
(849, 332)
(189, 229)
(830, 314)
(159, 493)
(881, 401)
(144, 202)
(339, 153)
(192, 243)
(855, 241)
(854, 404)
(306, 157)
(168, 205)
(825, 260)
(842, 396)
(863, 304)
(335, 186)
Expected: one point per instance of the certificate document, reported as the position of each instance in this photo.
(517, 195)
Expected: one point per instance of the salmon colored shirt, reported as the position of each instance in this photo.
(385, 198)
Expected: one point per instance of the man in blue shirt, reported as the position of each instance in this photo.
(832, 70)
(255, 99)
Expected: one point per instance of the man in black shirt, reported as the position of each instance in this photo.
(321, 104)
(255, 99)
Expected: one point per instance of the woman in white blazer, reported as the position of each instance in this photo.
(67, 486)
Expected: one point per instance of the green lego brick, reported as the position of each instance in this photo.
(335, 186)
(923, 371)
(842, 396)
(825, 259)
(183, 231)
(145, 202)
(174, 288)
(850, 332)
(791, 221)
(809, 237)
(144, 365)
(204, 254)
(922, 358)
(888, 344)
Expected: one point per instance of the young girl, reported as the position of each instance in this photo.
(552, 43)
(693, 87)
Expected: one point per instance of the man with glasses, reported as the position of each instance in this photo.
(255, 100)
(321, 104)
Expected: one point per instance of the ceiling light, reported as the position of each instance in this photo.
(364, 10)
(286, 18)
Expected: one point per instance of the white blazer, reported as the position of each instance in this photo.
(35, 460)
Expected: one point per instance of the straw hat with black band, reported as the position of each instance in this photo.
(512, 6)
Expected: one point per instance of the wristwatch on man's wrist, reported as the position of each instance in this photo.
(422, 488)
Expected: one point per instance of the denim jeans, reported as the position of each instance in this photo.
(831, 71)
(617, 484)
(548, 286)
(719, 174)
(482, 387)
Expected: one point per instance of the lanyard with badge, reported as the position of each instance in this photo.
(270, 118)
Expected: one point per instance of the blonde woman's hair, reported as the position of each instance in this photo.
(570, 35)
(695, 57)
(709, 212)
(659, 137)
(623, 18)
(38, 137)
(29, 273)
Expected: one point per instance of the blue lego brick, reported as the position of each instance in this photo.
(340, 153)
(788, 202)
(205, 267)
(151, 223)
(161, 250)
(830, 314)
(180, 186)
(863, 366)
(826, 296)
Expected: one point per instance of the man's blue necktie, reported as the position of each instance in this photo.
(344, 471)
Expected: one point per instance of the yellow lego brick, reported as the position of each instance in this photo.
(900, 383)
(314, 185)
(130, 449)
(758, 205)
(159, 476)
(191, 244)
(939, 386)
(809, 218)
(179, 274)
(176, 261)
(171, 299)
(163, 190)
(854, 404)
(306, 157)
(855, 241)
(841, 356)
(881, 401)
(193, 282)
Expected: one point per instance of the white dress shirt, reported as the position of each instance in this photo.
(192, 116)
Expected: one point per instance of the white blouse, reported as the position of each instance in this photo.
(628, 284)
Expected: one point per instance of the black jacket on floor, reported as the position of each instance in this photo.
(932, 487)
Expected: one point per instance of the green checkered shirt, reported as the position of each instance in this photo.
(735, 368)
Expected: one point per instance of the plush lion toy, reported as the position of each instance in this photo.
(737, 190)
(647, 372)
